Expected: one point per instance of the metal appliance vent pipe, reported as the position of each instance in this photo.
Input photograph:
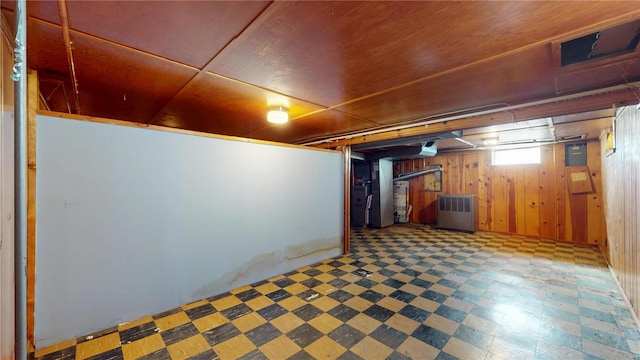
(20, 138)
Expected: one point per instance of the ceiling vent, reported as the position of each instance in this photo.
(614, 41)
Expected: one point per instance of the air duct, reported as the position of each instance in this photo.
(411, 140)
(405, 152)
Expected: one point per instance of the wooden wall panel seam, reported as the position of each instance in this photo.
(530, 200)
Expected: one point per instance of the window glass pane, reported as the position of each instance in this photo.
(516, 156)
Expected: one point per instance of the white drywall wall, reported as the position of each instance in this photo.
(131, 221)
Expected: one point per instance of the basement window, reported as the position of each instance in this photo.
(521, 156)
(614, 41)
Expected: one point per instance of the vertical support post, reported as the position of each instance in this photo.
(347, 198)
(20, 117)
(32, 107)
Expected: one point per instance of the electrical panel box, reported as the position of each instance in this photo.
(575, 154)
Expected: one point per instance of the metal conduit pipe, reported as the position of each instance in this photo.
(64, 21)
(20, 152)
(434, 119)
(414, 174)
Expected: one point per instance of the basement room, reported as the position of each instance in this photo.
(319, 180)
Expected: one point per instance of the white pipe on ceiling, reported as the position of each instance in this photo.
(424, 122)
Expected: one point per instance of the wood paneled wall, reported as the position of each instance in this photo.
(531, 200)
(622, 196)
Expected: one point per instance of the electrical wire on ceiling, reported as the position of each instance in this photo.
(19, 52)
(513, 117)
(423, 121)
(468, 113)
(8, 36)
(593, 46)
(64, 20)
(633, 89)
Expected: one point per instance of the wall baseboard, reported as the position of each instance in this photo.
(634, 315)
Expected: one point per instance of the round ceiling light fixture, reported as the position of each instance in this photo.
(278, 115)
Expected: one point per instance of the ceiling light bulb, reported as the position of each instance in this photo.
(277, 115)
(490, 140)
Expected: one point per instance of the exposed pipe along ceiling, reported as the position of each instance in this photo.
(443, 118)
(335, 93)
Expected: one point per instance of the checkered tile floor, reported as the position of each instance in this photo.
(405, 292)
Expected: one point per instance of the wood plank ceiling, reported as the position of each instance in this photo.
(340, 67)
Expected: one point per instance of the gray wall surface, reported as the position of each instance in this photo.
(382, 191)
(132, 222)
